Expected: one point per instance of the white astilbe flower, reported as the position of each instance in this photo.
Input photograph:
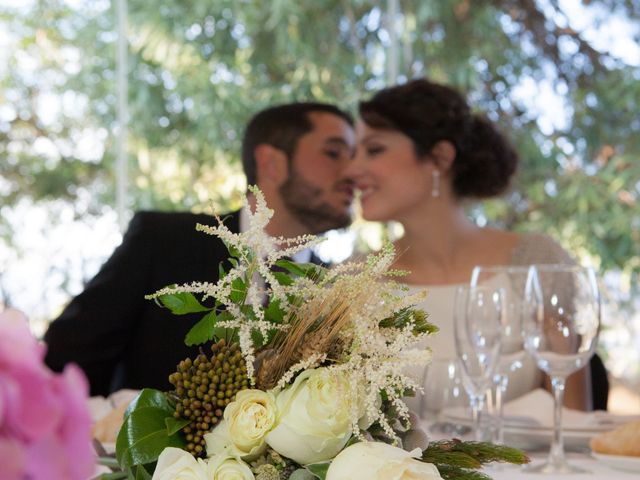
(310, 362)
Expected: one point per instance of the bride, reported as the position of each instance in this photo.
(421, 156)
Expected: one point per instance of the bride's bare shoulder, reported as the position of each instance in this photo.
(502, 238)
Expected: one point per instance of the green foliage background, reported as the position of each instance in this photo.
(199, 68)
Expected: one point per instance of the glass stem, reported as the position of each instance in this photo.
(476, 409)
(501, 390)
(556, 454)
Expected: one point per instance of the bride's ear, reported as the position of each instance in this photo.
(443, 154)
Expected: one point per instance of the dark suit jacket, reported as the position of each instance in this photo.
(116, 336)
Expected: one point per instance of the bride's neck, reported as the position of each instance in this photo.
(436, 236)
(441, 246)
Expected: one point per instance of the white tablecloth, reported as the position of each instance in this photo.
(599, 471)
(577, 452)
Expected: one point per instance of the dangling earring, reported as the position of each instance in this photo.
(435, 183)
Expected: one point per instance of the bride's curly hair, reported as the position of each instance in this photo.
(429, 112)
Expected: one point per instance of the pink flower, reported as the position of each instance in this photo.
(13, 458)
(45, 425)
(31, 406)
(17, 346)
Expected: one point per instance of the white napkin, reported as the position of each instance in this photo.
(123, 396)
(536, 408)
(107, 415)
(99, 407)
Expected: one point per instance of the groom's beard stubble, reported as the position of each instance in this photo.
(304, 201)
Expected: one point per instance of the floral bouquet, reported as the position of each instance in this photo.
(45, 424)
(301, 375)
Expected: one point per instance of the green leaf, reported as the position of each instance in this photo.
(229, 334)
(145, 436)
(302, 474)
(274, 312)
(300, 269)
(109, 462)
(139, 472)
(233, 251)
(182, 302)
(148, 397)
(282, 278)
(174, 425)
(142, 473)
(319, 469)
(248, 312)
(402, 317)
(203, 331)
(221, 272)
(113, 476)
(238, 291)
(258, 339)
(144, 433)
(460, 454)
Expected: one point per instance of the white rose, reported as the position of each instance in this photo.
(250, 417)
(218, 440)
(178, 464)
(224, 467)
(247, 420)
(314, 421)
(379, 461)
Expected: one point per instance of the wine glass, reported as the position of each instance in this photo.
(443, 388)
(477, 327)
(561, 320)
(510, 280)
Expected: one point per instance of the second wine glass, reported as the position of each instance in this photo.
(477, 338)
(510, 281)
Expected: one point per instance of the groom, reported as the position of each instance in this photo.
(295, 154)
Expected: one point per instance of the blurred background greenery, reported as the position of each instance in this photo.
(562, 77)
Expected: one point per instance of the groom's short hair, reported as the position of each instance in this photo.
(281, 126)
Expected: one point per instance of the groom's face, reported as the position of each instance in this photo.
(315, 191)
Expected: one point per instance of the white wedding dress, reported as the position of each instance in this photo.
(439, 304)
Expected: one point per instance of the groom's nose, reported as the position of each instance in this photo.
(353, 168)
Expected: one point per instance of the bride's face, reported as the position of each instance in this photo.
(392, 180)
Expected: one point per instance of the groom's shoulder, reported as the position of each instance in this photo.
(152, 219)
